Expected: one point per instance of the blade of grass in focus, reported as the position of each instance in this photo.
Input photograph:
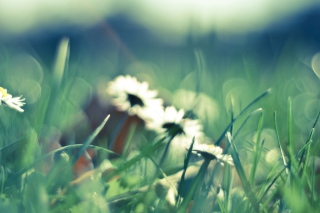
(125, 165)
(59, 67)
(312, 129)
(185, 167)
(89, 140)
(257, 149)
(245, 183)
(129, 139)
(226, 186)
(219, 140)
(194, 188)
(279, 143)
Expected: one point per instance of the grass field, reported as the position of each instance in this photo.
(171, 130)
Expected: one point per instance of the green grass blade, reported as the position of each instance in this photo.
(246, 120)
(60, 62)
(40, 159)
(162, 173)
(89, 140)
(12, 144)
(279, 143)
(239, 168)
(257, 153)
(290, 133)
(2, 179)
(309, 138)
(185, 167)
(264, 185)
(117, 130)
(313, 178)
(226, 186)
(60, 65)
(195, 188)
(200, 69)
(243, 111)
(223, 207)
(307, 153)
(232, 115)
(129, 139)
(125, 165)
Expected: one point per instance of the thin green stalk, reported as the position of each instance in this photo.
(239, 168)
(257, 149)
(313, 177)
(222, 206)
(270, 175)
(185, 167)
(60, 66)
(195, 187)
(215, 169)
(200, 69)
(313, 127)
(89, 140)
(279, 144)
(117, 130)
(124, 166)
(2, 179)
(13, 143)
(163, 173)
(243, 111)
(129, 139)
(290, 133)
(307, 152)
(246, 120)
(226, 185)
(166, 150)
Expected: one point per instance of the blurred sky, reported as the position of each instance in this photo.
(171, 18)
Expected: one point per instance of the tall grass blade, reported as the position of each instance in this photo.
(145, 152)
(185, 167)
(162, 173)
(307, 153)
(243, 111)
(194, 189)
(226, 186)
(279, 143)
(129, 139)
(59, 68)
(258, 149)
(200, 69)
(117, 130)
(290, 134)
(313, 127)
(239, 168)
(89, 140)
(313, 178)
(61, 62)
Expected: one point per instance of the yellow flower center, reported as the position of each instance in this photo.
(4, 92)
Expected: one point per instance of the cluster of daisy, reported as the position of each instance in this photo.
(12, 102)
(136, 98)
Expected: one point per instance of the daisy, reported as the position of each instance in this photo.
(211, 152)
(171, 122)
(133, 96)
(14, 103)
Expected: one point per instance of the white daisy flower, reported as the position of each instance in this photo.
(14, 103)
(170, 121)
(211, 151)
(133, 96)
